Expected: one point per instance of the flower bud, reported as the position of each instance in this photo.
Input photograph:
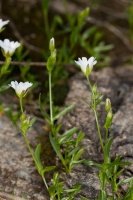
(107, 105)
(52, 44)
(109, 118)
(110, 115)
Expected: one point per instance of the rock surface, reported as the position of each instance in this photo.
(116, 84)
(18, 176)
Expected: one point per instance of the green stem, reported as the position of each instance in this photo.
(50, 99)
(107, 131)
(21, 104)
(5, 66)
(44, 180)
(95, 113)
(32, 154)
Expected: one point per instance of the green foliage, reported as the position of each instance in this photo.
(72, 151)
(26, 123)
(67, 146)
(57, 192)
(63, 112)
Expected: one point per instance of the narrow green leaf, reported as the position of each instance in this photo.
(78, 154)
(90, 163)
(32, 121)
(67, 135)
(74, 189)
(98, 100)
(55, 129)
(73, 151)
(108, 146)
(37, 157)
(117, 163)
(48, 169)
(125, 181)
(68, 142)
(56, 147)
(45, 115)
(83, 198)
(62, 113)
(79, 138)
(119, 172)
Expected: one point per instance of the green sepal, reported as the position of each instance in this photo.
(50, 63)
(108, 121)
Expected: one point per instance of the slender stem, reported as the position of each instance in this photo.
(107, 131)
(44, 180)
(50, 99)
(5, 66)
(95, 113)
(21, 104)
(98, 129)
(31, 152)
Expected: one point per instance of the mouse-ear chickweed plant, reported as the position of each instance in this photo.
(68, 145)
(109, 171)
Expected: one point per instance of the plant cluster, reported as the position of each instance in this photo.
(68, 145)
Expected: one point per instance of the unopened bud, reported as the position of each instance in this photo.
(110, 115)
(53, 54)
(107, 105)
(109, 118)
(52, 44)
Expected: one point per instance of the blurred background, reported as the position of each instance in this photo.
(99, 28)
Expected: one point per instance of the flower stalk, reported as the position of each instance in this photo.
(50, 99)
(93, 106)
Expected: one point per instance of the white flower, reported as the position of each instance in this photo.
(3, 23)
(8, 47)
(86, 65)
(20, 88)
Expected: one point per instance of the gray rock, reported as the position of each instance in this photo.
(115, 84)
